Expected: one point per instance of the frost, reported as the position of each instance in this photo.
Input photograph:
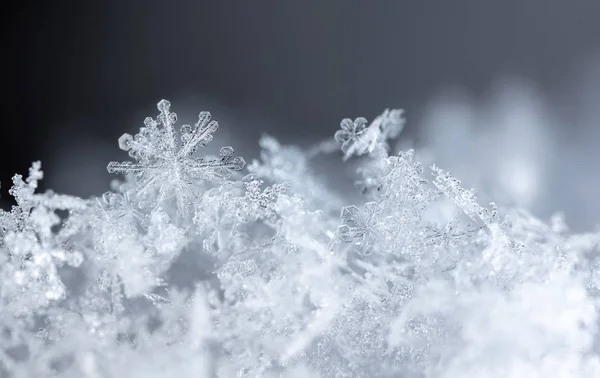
(187, 269)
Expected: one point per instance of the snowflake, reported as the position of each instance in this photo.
(360, 227)
(358, 139)
(23, 191)
(164, 165)
(351, 132)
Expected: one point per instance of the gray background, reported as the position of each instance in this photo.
(80, 73)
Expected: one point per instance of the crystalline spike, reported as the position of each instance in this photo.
(123, 168)
(201, 135)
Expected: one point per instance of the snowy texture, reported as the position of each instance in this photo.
(186, 269)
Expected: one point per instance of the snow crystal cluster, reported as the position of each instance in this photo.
(191, 267)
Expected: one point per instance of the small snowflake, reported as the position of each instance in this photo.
(351, 132)
(360, 227)
(358, 139)
(164, 165)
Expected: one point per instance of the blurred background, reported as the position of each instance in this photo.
(505, 94)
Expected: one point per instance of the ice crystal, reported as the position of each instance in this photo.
(165, 165)
(351, 132)
(360, 226)
(358, 139)
(184, 269)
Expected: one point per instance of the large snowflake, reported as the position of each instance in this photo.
(165, 165)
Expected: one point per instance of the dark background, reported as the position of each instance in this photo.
(80, 73)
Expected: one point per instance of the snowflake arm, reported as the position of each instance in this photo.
(465, 199)
(199, 136)
(216, 170)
